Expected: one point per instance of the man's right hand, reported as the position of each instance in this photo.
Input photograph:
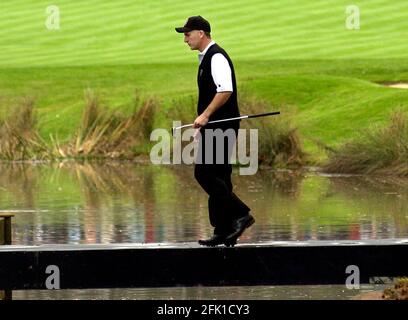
(201, 120)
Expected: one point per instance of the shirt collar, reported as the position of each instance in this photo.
(202, 54)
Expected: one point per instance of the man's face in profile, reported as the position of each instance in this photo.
(193, 38)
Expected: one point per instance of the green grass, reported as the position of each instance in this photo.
(100, 32)
(331, 109)
(297, 55)
(380, 151)
(326, 106)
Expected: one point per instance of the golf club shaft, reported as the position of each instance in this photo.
(232, 119)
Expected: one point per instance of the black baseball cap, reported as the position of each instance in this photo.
(195, 23)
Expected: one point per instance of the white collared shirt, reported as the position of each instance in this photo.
(220, 70)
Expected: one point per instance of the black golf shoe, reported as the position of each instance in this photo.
(239, 227)
(215, 240)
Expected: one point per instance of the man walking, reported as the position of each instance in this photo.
(217, 100)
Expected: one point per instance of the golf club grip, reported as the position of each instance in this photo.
(264, 114)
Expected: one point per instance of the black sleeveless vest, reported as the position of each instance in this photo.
(207, 88)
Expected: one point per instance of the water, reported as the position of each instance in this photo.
(125, 202)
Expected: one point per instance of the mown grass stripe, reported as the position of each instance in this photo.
(289, 25)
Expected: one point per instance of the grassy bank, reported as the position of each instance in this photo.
(105, 133)
(379, 150)
(328, 108)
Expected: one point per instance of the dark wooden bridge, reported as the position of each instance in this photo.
(188, 264)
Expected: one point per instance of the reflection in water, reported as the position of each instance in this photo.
(321, 292)
(381, 200)
(127, 202)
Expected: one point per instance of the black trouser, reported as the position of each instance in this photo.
(223, 205)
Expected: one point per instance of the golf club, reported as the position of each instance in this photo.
(229, 119)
